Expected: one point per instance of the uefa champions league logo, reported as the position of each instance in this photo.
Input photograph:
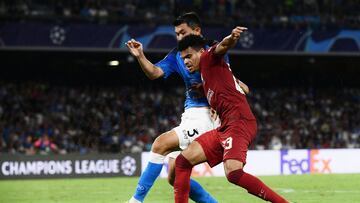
(57, 35)
(128, 165)
(247, 39)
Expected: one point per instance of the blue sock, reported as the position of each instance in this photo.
(198, 194)
(147, 179)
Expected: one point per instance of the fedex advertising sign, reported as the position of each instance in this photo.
(275, 162)
(304, 162)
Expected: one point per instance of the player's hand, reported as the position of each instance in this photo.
(213, 114)
(236, 32)
(135, 47)
(243, 86)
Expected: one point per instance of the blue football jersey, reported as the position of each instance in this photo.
(174, 63)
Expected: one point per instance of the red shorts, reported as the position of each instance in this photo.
(230, 143)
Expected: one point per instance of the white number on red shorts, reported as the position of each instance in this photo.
(228, 143)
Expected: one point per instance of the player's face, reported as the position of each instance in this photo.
(191, 58)
(184, 29)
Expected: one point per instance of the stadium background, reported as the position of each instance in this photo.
(66, 78)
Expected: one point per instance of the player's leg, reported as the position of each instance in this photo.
(197, 192)
(184, 164)
(236, 175)
(236, 142)
(163, 145)
(171, 169)
(194, 122)
(197, 152)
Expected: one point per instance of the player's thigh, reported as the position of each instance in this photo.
(211, 147)
(193, 124)
(235, 148)
(236, 141)
(166, 143)
(194, 153)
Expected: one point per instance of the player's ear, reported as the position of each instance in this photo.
(197, 30)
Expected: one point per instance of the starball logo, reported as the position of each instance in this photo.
(304, 162)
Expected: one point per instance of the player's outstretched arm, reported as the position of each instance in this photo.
(150, 70)
(229, 41)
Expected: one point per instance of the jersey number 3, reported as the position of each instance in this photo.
(228, 143)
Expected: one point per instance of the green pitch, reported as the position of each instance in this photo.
(301, 189)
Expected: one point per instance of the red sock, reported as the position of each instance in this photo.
(254, 186)
(182, 179)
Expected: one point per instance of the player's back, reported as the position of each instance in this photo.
(223, 92)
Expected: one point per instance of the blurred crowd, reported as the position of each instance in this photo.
(42, 118)
(257, 12)
(296, 118)
(38, 118)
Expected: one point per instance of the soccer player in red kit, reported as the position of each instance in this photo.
(229, 143)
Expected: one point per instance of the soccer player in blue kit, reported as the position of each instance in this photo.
(195, 120)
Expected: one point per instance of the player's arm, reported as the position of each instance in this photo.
(229, 41)
(243, 86)
(150, 70)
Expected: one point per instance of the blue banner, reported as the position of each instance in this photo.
(163, 37)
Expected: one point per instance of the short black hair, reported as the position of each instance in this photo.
(191, 19)
(194, 41)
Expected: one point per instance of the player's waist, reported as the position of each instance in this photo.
(243, 125)
(236, 115)
(197, 110)
(196, 104)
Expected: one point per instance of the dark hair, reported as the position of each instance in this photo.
(191, 19)
(194, 41)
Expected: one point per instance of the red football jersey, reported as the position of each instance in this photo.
(221, 89)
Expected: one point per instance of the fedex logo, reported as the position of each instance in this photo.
(303, 162)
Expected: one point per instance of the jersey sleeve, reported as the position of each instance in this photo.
(212, 51)
(212, 44)
(214, 57)
(168, 64)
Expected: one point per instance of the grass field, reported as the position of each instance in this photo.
(300, 189)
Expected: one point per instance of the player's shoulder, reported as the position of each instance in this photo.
(172, 52)
(211, 42)
(171, 56)
(209, 52)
